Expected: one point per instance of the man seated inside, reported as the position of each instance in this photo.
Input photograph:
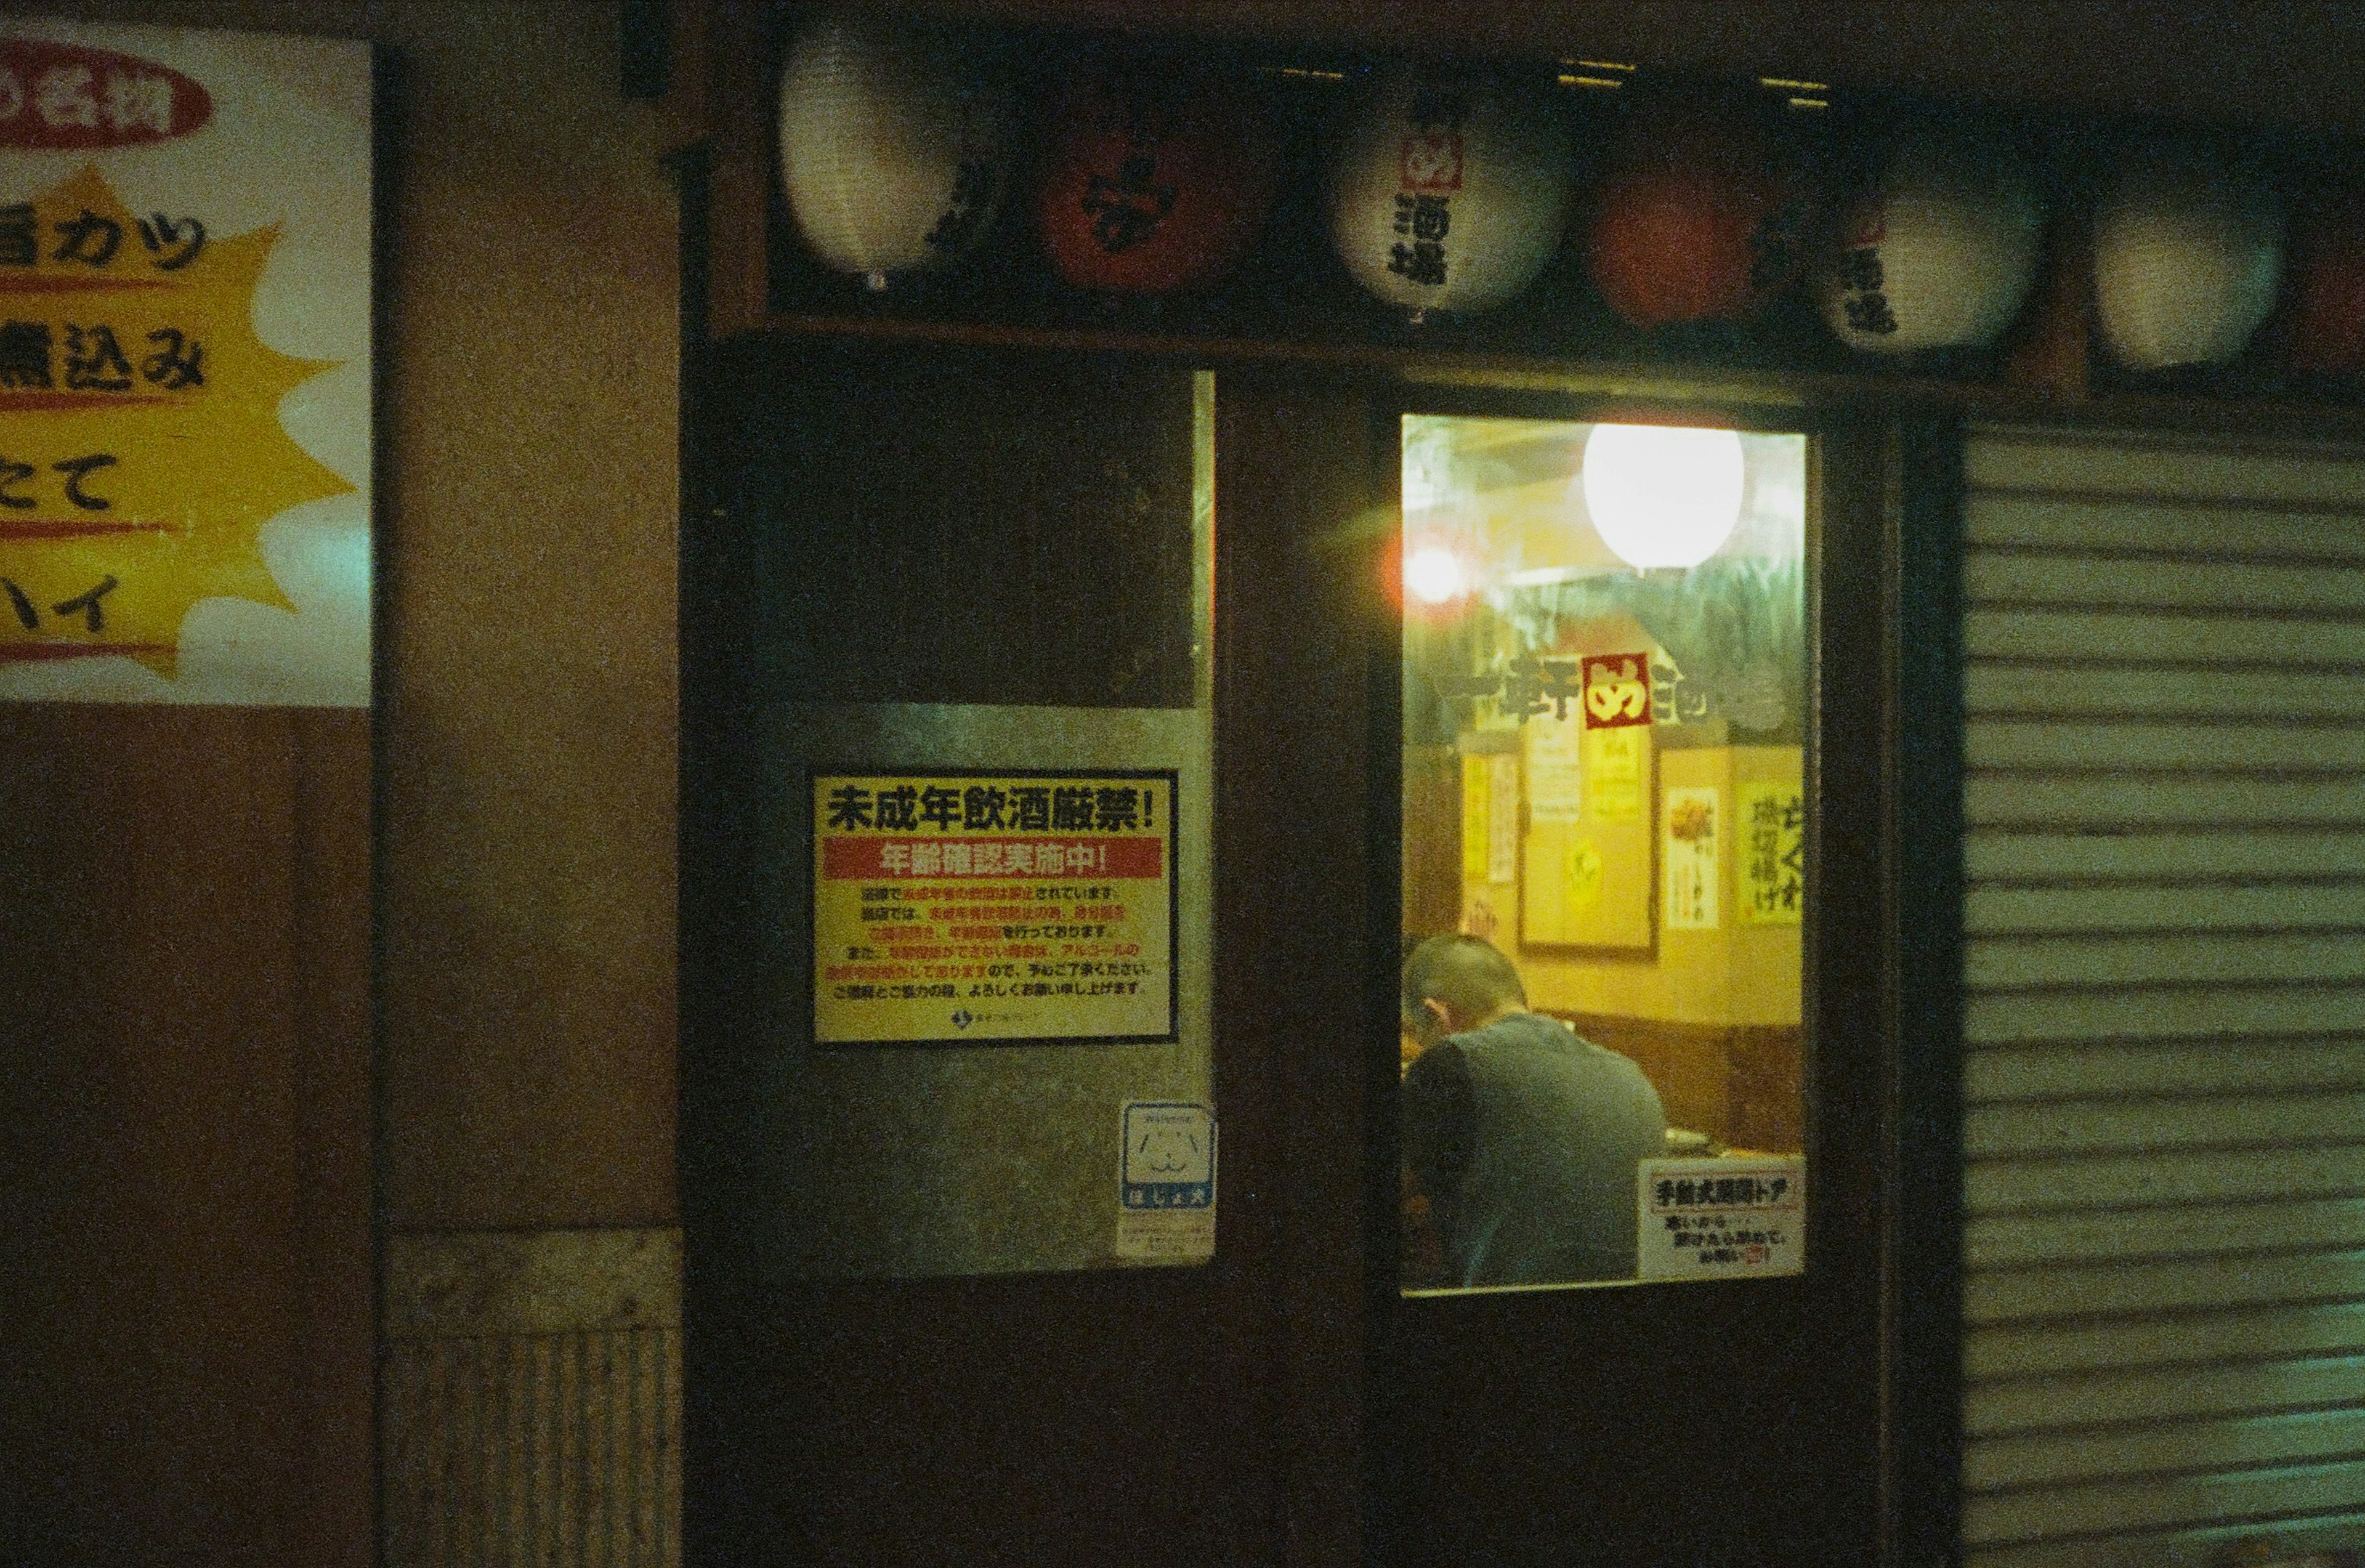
(1523, 1136)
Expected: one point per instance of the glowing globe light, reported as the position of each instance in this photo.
(1663, 495)
(1434, 574)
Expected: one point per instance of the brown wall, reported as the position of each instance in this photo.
(525, 513)
(186, 893)
(527, 843)
(184, 1122)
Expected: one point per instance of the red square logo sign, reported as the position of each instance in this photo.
(1617, 690)
(1432, 161)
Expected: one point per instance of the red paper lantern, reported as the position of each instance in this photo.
(2323, 328)
(1703, 217)
(1152, 182)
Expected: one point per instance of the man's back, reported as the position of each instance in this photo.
(1526, 1138)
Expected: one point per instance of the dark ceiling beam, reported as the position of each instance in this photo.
(2300, 62)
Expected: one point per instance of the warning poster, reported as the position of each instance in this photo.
(968, 908)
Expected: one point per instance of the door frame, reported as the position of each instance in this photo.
(1308, 646)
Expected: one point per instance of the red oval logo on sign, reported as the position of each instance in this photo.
(55, 96)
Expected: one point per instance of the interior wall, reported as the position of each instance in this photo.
(1732, 973)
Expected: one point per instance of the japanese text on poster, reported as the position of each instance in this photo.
(1721, 1219)
(143, 450)
(963, 907)
(1613, 773)
(1503, 817)
(1772, 853)
(1490, 817)
(1555, 767)
(1691, 855)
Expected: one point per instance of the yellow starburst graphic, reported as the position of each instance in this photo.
(140, 447)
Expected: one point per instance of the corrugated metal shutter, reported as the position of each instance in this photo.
(2165, 1003)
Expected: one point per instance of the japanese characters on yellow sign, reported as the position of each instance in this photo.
(1503, 817)
(1477, 816)
(987, 908)
(142, 452)
(1772, 853)
(1613, 773)
(145, 426)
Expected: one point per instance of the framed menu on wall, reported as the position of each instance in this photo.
(185, 366)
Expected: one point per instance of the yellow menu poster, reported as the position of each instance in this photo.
(989, 908)
(1773, 850)
(184, 377)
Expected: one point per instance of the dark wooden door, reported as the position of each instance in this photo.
(911, 546)
(1655, 1423)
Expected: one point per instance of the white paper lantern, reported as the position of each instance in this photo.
(1939, 252)
(894, 144)
(2186, 255)
(1448, 192)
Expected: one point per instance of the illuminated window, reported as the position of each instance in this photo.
(1604, 706)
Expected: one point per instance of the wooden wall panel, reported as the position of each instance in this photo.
(2222, 59)
(327, 1508)
(1738, 1083)
(184, 1133)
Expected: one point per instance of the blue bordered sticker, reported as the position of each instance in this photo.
(1166, 1181)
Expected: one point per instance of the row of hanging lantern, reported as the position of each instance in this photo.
(1450, 192)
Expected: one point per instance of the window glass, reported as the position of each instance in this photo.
(1605, 694)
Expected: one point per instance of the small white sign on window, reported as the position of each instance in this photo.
(1166, 1182)
(1503, 817)
(1722, 1219)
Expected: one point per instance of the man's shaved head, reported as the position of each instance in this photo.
(1469, 974)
